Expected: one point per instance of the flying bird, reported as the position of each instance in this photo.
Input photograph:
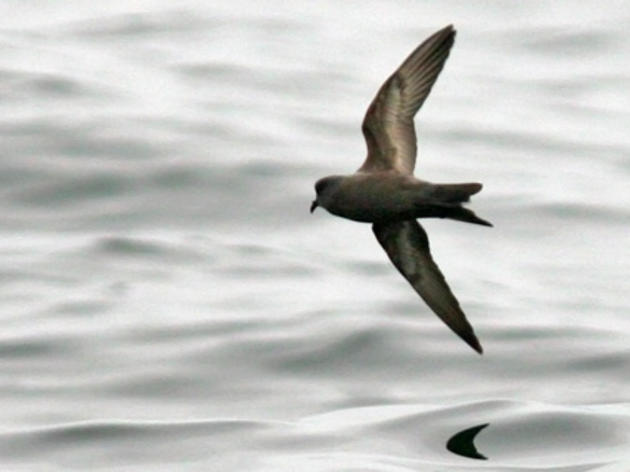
(384, 191)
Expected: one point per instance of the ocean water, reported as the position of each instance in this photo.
(168, 302)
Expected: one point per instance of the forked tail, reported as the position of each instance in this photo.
(459, 213)
(455, 193)
(448, 199)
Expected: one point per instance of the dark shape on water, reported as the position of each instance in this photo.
(463, 444)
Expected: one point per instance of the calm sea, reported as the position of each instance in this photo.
(168, 302)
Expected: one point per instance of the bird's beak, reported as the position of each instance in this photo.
(314, 205)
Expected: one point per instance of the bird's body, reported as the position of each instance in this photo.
(384, 191)
(376, 196)
(385, 196)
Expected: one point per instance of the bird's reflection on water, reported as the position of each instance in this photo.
(462, 443)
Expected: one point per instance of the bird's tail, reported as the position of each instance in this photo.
(459, 213)
(447, 199)
(454, 193)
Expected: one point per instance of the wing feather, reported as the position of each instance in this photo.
(388, 124)
(407, 246)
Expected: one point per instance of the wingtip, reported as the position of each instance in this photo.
(476, 345)
(450, 28)
(467, 334)
(446, 33)
(472, 341)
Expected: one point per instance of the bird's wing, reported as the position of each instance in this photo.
(388, 124)
(407, 246)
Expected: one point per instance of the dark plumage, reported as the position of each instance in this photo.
(384, 191)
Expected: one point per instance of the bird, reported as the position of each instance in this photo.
(385, 192)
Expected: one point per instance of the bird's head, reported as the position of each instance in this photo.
(325, 189)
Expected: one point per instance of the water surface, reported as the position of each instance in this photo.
(168, 303)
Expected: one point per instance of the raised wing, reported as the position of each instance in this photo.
(388, 124)
(407, 246)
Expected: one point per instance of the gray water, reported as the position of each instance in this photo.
(168, 303)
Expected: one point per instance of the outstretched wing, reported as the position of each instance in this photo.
(388, 124)
(407, 246)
